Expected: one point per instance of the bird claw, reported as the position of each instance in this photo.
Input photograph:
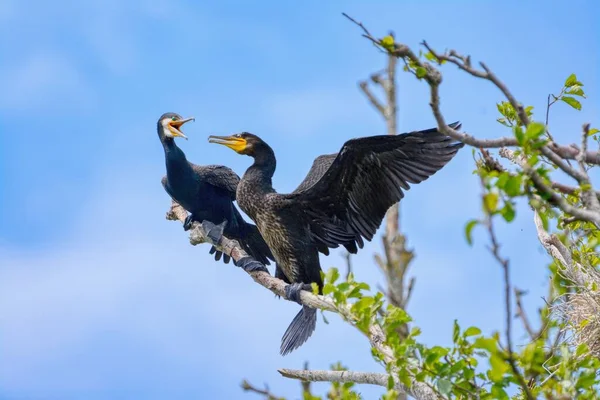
(249, 264)
(187, 224)
(292, 291)
(214, 232)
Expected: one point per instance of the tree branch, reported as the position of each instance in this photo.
(364, 86)
(579, 213)
(266, 393)
(375, 334)
(369, 378)
(521, 314)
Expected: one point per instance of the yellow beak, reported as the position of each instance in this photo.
(236, 144)
(175, 127)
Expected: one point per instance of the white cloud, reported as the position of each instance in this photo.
(44, 79)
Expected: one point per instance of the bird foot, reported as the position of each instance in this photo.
(187, 224)
(214, 232)
(249, 264)
(292, 291)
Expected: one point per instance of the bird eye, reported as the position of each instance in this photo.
(173, 118)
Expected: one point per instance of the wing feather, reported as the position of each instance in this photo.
(219, 176)
(348, 194)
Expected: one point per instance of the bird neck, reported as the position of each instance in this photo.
(261, 172)
(174, 157)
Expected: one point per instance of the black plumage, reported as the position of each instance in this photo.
(207, 193)
(342, 200)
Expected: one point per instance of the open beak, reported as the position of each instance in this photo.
(176, 126)
(236, 144)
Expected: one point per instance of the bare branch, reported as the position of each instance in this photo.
(364, 86)
(558, 161)
(248, 387)
(521, 314)
(370, 378)
(348, 264)
(566, 189)
(571, 152)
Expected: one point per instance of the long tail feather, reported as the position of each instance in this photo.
(301, 328)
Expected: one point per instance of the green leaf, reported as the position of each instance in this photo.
(421, 72)
(490, 201)
(363, 304)
(455, 331)
(572, 102)
(499, 393)
(498, 368)
(503, 122)
(468, 229)
(387, 43)
(508, 212)
(513, 186)
(444, 386)
(593, 131)
(328, 288)
(534, 130)
(519, 135)
(332, 275)
(488, 344)
(572, 81)
(472, 331)
(575, 91)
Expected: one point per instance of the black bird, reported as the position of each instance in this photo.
(342, 200)
(207, 192)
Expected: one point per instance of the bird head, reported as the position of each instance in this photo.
(242, 143)
(169, 125)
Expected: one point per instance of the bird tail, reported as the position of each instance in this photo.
(301, 328)
(255, 245)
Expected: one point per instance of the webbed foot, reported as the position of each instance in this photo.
(249, 264)
(214, 232)
(292, 291)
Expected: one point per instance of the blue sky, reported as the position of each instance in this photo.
(101, 297)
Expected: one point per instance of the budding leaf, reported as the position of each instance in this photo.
(572, 81)
(490, 200)
(421, 72)
(387, 43)
(534, 130)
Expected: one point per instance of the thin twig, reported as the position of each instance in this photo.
(521, 314)
(266, 393)
(495, 250)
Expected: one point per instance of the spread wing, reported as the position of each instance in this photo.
(219, 176)
(366, 178)
(316, 172)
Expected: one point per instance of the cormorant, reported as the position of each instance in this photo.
(342, 200)
(207, 192)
